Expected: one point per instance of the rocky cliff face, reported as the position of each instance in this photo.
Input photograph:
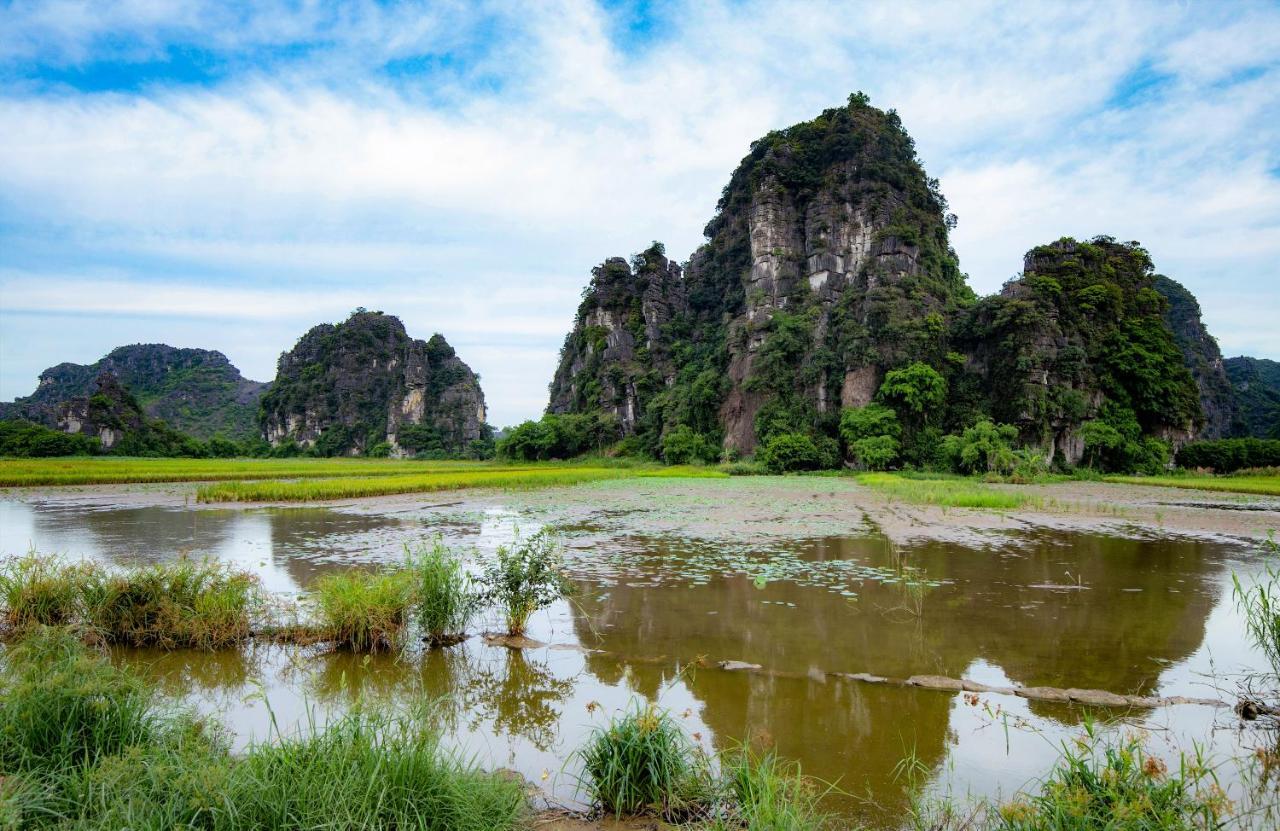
(1081, 336)
(1200, 354)
(109, 414)
(347, 387)
(195, 391)
(826, 264)
(1256, 383)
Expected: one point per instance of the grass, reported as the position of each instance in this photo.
(183, 603)
(949, 492)
(544, 476)
(364, 611)
(446, 597)
(1261, 484)
(640, 763)
(768, 793)
(85, 745)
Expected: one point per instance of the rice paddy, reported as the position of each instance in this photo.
(948, 493)
(1261, 484)
(310, 490)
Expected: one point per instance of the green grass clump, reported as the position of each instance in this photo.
(63, 707)
(767, 793)
(40, 591)
(364, 611)
(445, 597)
(85, 745)
(1261, 484)
(183, 603)
(1117, 788)
(949, 492)
(640, 763)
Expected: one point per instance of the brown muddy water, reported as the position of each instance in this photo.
(1131, 611)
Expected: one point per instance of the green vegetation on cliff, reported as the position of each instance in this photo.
(1256, 383)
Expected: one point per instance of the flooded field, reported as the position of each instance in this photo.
(797, 583)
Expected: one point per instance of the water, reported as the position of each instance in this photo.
(655, 611)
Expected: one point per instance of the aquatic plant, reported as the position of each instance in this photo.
(39, 590)
(364, 611)
(524, 577)
(446, 599)
(86, 745)
(764, 792)
(182, 603)
(641, 762)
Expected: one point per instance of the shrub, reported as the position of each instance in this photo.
(183, 603)
(27, 439)
(986, 447)
(1230, 455)
(640, 762)
(871, 434)
(364, 611)
(446, 599)
(917, 389)
(682, 446)
(525, 576)
(789, 451)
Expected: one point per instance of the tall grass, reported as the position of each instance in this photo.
(948, 492)
(84, 745)
(364, 611)
(446, 598)
(183, 603)
(768, 793)
(640, 763)
(37, 590)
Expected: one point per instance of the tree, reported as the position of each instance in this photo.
(984, 447)
(790, 451)
(919, 390)
(683, 445)
(871, 435)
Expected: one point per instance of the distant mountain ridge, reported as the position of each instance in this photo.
(195, 391)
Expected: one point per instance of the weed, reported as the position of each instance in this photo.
(364, 611)
(446, 599)
(639, 763)
(526, 576)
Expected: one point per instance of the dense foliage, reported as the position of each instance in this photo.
(1229, 455)
(25, 439)
(559, 437)
(1256, 382)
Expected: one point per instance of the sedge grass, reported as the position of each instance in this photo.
(364, 611)
(86, 745)
(1263, 485)
(640, 763)
(40, 591)
(950, 492)
(768, 793)
(445, 599)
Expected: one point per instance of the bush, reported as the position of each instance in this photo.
(986, 447)
(638, 763)
(1230, 455)
(525, 577)
(560, 437)
(364, 611)
(789, 451)
(446, 599)
(918, 389)
(682, 446)
(871, 434)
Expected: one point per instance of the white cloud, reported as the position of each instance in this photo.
(297, 191)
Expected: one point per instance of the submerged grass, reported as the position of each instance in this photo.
(949, 492)
(85, 745)
(183, 603)
(507, 479)
(364, 611)
(1262, 484)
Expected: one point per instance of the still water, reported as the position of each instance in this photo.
(1134, 614)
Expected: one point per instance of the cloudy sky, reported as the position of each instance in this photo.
(222, 176)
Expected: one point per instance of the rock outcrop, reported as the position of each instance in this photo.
(1256, 383)
(1201, 356)
(827, 263)
(346, 388)
(194, 391)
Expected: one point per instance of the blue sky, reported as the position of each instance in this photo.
(226, 175)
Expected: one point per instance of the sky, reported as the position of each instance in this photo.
(226, 175)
